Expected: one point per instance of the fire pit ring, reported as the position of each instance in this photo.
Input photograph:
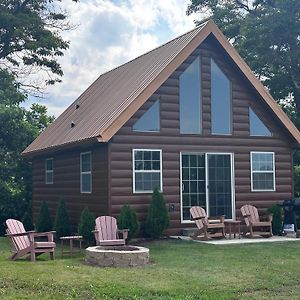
(117, 256)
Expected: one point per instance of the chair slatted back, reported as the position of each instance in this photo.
(106, 227)
(13, 227)
(199, 212)
(250, 214)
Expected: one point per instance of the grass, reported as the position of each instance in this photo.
(179, 270)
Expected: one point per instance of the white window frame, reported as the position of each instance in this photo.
(146, 171)
(86, 173)
(252, 171)
(49, 171)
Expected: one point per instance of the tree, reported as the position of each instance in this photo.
(30, 38)
(62, 221)
(157, 218)
(86, 226)
(128, 220)
(44, 222)
(19, 127)
(266, 33)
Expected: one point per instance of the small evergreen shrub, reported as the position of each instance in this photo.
(128, 220)
(86, 226)
(157, 218)
(44, 222)
(277, 219)
(62, 221)
(27, 221)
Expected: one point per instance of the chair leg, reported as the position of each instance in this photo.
(32, 255)
(52, 255)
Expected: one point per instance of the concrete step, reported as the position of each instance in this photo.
(188, 231)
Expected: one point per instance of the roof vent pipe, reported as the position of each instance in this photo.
(72, 124)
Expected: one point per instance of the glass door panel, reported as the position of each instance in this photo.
(193, 187)
(219, 187)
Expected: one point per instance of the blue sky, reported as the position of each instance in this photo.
(108, 34)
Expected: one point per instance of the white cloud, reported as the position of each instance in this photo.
(110, 33)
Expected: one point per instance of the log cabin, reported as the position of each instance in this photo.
(188, 117)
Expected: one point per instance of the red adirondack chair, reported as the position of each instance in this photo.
(24, 242)
(107, 232)
(207, 227)
(254, 222)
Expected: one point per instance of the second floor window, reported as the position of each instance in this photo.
(49, 171)
(86, 172)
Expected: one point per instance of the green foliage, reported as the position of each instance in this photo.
(44, 222)
(27, 221)
(297, 180)
(266, 34)
(277, 219)
(19, 127)
(128, 220)
(86, 226)
(157, 218)
(62, 221)
(30, 35)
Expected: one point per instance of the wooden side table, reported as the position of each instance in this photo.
(71, 240)
(234, 227)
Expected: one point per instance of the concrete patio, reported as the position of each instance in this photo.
(242, 240)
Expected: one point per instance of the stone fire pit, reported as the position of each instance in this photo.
(117, 256)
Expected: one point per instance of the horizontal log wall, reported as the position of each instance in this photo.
(172, 142)
(67, 183)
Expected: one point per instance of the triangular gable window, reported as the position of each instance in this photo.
(257, 127)
(150, 120)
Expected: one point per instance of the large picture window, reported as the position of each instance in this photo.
(49, 171)
(262, 171)
(86, 172)
(190, 99)
(147, 174)
(221, 119)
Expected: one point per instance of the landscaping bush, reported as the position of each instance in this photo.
(277, 219)
(27, 221)
(62, 221)
(44, 222)
(86, 226)
(128, 220)
(157, 218)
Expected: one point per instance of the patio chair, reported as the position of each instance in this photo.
(213, 227)
(25, 243)
(254, 224)
(107, 232)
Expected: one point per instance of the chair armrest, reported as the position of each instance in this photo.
(268, 217)
(94, 231)
(37, 234)
(124, 233)
(198, 218)
(20, 234)
(217, 218)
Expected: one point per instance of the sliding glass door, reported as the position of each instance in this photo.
(206, 181)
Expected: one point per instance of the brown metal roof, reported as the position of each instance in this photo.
(116, 95)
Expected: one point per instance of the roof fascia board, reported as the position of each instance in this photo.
(109, 132)
(261, 89)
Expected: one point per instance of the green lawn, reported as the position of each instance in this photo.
(179, 270)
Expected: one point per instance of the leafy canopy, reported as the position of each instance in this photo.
(267, 35)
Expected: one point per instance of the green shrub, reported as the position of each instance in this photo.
(86, 226)
(62, 221)
(157, 218)
(277, 219)
(128, 220)
(44, 222)
(27, 221)
(297, 180)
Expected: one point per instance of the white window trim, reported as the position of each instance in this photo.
(206, 187)
(146, 171)
(86, 173)
(49, 171)
(273, 171)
